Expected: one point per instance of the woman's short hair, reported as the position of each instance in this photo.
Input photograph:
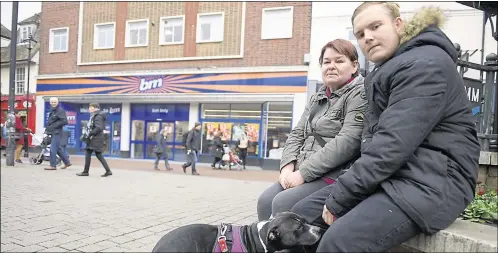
(344, 47)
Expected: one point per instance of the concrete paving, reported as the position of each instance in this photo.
(56, 211)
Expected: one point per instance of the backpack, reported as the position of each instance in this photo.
(184, 138)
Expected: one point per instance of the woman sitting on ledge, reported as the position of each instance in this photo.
(327, 138)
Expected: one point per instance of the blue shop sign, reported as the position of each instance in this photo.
(108, 109)
(160, 111)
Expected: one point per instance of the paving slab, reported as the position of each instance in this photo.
(56, 211)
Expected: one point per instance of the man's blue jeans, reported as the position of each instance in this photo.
(55, 149)
(192, 160)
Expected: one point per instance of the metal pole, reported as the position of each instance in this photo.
(486, 127)
(484, 19)
(11, 119)
(26, 140)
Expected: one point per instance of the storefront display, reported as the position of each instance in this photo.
(25, 108)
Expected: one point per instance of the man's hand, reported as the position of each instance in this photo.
(189, 151)
(286, 170)
(294, 179)
(327, 216)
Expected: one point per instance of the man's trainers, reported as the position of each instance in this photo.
(82, 174)
(51, 168)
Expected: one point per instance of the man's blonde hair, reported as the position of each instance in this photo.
(391, 7)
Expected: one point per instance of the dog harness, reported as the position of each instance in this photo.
(228, 239)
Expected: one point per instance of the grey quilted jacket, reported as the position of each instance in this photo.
(335, 123)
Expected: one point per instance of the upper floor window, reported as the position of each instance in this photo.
(103, 36)
(20, 80)
(277, 23)
(137, 33)
(25, 31)
(58, 41)
(210, 27)
(171, 30)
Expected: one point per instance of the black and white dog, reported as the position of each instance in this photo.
(285, 231)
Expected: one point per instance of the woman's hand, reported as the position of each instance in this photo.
(286, 170)
(294, 179)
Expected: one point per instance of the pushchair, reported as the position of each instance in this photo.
(44, 145)
(230, 158)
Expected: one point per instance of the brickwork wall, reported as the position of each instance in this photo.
(257, 52)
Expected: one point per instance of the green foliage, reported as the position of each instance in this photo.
(484, 208)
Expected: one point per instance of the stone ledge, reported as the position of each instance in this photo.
(488, 158)
(461, 236)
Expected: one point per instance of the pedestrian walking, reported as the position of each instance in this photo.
(94, 137)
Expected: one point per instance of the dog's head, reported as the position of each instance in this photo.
(288, 230)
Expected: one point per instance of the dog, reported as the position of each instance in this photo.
(286, 231)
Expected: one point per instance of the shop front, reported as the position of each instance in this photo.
(78, 116)
(147, 121)
(26, 108)
(263, 104)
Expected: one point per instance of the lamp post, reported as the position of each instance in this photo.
(11, 119)
(29, 40)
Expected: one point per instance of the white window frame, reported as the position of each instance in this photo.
(96, 35)
(264, 23)
(51, 40)
(198, 35)
(20, 81)
(162, 26)
(127, 33)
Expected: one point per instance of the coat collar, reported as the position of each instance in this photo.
(322, 93)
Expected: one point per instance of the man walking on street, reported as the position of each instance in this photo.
(56, 121)
(193, 145)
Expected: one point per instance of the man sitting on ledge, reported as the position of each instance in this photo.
(419, 153)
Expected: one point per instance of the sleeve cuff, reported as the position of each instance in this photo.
(335, 208)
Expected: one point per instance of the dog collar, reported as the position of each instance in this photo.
(260, 226)
(228, 239)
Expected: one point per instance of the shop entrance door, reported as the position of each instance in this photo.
(153, 129)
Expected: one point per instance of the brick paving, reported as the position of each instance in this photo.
(56, 211)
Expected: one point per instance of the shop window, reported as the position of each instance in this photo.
(231, 120)
(245, 111)
(279, 127)
(215, 111)
(137, 129)
(181, 128)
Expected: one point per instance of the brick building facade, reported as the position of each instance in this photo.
(230, 65)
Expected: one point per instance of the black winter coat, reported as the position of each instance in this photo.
(96, 134)
(217, 147)
(56, 120)
(419, 143)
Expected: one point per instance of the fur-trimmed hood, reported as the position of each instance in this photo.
(425, 17)
(424, 29)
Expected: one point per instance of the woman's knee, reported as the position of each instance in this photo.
(265, 200)
(284, 201)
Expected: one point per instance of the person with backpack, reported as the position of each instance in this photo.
(193, 145)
